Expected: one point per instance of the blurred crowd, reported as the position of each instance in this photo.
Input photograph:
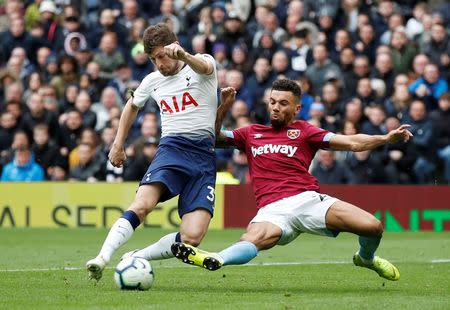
(365, 66)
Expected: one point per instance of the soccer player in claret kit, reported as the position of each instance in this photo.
(286, 194)
(185, 88)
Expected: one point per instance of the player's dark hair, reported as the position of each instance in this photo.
(288, 85)
(158, 35)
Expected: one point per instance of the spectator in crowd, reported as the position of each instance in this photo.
(397, 105)
(136, 169)
(384, 71)
(108, 100)
(402, 52)
(330, 171)
(219, 52)
(395, 22)
(107, 23)
(8, 125)
(225, 173)
(366, 167)
(341, 42)
(381, 17)
(398, 158)
(67, 74)
(438, 49)
(130, 12)
(97, 82)
(45, 150)
(235, 32)
(71, 23)
(367, 42)
(70, 131)
(122, 80)
(429, 87)
(238, 109)
(47, 16)
(41, 62)
(307, 98)
(140, 63)
(17, 35)
(34, 85)
(270, 25)
(424, 141)
(240, 61)
(261, 79)
(149, 129)
(419, 63)
(90, 168)
(281, 65)
(37, 114)
(322, 69)
(23, 168)
(70, 96)
(235, 79)
(332, 103)
(108, 57)
(440, 119)
(83, 104)
(20, 139)
(301, 54)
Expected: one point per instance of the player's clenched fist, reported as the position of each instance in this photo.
(117, 156)
(175, 51)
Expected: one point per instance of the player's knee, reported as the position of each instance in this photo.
(376, 227)
(141, 208)
(191, 239)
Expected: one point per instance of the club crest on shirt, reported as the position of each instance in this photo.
(293, 133)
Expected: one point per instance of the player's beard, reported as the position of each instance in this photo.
(277, 123)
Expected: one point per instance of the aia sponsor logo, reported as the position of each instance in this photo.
(293, 133)
(187, 99)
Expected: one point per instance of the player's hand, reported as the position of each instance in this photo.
(227, 96)
(117, 156)
(175, 51)
(399, 134)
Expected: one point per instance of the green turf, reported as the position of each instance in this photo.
(323, 277)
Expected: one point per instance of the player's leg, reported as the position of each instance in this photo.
(345, 217)
(258, 236)
(192, 230)
(145, 200)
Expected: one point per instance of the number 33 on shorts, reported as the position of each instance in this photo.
(211, 195)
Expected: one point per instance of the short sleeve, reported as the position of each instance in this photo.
(319, 138)
(143, 92)
(238, 137)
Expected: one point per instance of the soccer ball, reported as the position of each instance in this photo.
(134, 273)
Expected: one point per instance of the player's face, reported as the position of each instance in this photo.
(166, 65)
(283, 106)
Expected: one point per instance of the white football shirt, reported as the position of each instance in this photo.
(187, 100)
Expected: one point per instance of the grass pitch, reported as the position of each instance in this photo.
(310, 273)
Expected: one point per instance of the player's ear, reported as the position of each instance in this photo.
(298, 108)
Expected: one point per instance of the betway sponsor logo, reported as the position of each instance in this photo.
(289, 150)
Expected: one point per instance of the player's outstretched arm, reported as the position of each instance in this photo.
(117, 153)
(198, 63)
(227, 96)
(362, 142)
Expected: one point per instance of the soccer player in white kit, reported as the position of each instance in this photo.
(287, 195)
(185, 88)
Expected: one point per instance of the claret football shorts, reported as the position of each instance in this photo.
(301, 213)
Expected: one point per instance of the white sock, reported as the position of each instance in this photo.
(159, 249)
(118, 235)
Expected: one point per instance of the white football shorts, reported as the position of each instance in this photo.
(301, 213)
